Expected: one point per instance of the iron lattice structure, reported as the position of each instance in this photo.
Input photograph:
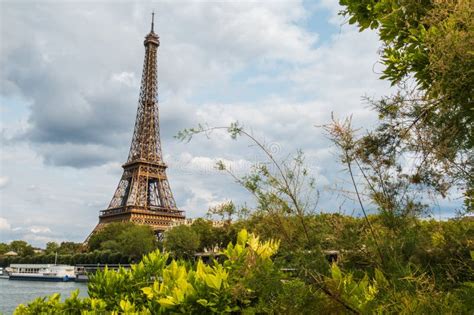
(143, 194)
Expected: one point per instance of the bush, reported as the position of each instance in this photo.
(243, 282)
(248, 281)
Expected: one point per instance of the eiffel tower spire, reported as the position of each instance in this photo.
(143, 194)
(153, 21)
(146, 137)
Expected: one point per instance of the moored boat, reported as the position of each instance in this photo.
(3, 274)
(41, 272)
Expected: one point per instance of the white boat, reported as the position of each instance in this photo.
(3, 274)
(41, 272)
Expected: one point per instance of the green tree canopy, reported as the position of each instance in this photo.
(109, 232)
(136, 241)
(206, 233)
(430, 42)
(182, 241)
(126, 238)
(69, 248)
(51, 247)
(22, 248)
(4, 248)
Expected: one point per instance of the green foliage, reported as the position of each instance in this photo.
(69, 248)
(394, 243)
(115, 244)
(182, 241)
(4, 248)
(281, 188)
(412, 294)
(22, 248)
(249, 282)
(225, 211)
(156, 285)
(51, 248)
(201, 236)
(209, 236)
(109, 232)
(136, 241)
(126, 238)
(54, 305)
(430, 41)
(411, 32)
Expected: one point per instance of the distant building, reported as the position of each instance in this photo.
(38, 250)
(10, 254)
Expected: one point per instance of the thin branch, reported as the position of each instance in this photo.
(349, 166)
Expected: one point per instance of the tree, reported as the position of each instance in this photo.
(22, 248)
(109, 232)
(111, 245)
(182, 241)
(69, 248)
(136, 241)
(51, 247)
(430, 42)
(225, 211)
(127, 238)
(4, 248)
(207, 234)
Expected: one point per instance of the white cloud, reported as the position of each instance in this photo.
(201, 199)
(126, 78)
(40, 239)
(4, 224)
(4, 180)
(39, 229)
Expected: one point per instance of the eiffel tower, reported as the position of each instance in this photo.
(143, 195)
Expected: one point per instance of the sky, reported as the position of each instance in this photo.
(69, 82)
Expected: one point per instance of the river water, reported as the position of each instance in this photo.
(13, 292)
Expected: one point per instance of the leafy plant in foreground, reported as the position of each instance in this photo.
(160, 286)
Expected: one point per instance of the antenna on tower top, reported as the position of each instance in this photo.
(152, 21)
